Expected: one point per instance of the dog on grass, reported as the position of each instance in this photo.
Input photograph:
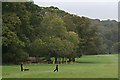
(26, 69)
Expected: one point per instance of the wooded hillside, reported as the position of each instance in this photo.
(31, 30)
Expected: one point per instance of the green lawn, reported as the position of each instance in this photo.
(100, 66)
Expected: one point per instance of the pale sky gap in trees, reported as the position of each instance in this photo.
(95, 9)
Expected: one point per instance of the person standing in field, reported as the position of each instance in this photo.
(56, 69)
(21, 66)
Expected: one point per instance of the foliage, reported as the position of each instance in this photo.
(50, 32)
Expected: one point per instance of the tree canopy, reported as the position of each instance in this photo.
(34, 31)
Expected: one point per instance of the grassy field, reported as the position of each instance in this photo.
(99, 66)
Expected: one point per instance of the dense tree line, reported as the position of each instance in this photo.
(109, 32)
(30, 30)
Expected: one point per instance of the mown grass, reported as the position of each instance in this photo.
(99, 66)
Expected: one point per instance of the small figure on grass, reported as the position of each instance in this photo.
(22, 69)
(56, 69)
(21, 66)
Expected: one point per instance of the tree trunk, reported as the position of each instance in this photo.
(73, 59)
(49, 61)
(63, 60)
(56, 60)
(69, 60)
